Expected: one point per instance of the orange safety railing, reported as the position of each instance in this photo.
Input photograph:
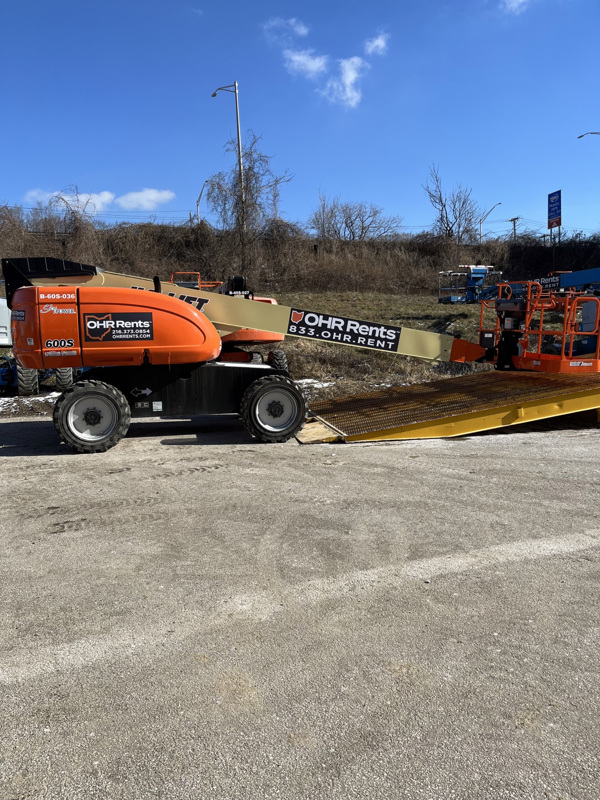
(194, 278)
(539, 339)
(574, 328)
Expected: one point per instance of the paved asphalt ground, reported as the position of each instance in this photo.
(195, 615)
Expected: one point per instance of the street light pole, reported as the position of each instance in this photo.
(233, 87)
(483, 219)
(198, 202)
(589, 133)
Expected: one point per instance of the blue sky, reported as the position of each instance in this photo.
(356, 101)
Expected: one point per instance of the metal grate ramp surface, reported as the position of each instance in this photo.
(451, 407)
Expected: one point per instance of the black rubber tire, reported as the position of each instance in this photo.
(63, 379)
(278, 360)
(256, 357)
(28, 381)
(91, 416)
(273, 409)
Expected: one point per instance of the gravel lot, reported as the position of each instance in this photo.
(195, 615)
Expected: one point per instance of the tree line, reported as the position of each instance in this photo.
(344, 245)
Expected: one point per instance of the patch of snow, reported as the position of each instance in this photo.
(18, 405)
(40, 398)
(311, 383)
(7, 403)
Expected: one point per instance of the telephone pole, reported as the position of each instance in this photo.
(514, 222)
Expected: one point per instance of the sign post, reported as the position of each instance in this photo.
(555, 211)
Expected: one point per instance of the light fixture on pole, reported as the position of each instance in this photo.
(483, 219)
(233, 88)
(198, 202)
(589, 133)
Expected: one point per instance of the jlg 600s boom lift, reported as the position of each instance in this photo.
(150, 354)
(159, 352)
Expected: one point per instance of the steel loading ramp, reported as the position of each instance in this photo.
(451, 407)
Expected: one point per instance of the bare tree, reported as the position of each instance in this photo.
(43, 218)
(80, 228)
(351, 221)
(457, 213)
(247, 210)
(77, 210)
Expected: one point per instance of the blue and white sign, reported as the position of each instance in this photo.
(554, 209)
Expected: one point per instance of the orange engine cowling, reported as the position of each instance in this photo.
(64, 326)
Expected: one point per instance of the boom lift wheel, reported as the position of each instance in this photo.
(63, 378)
(27, 381)
(273, 409)
(278, 360)
(91, 416)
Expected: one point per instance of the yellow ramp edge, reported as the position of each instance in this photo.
(451, 407)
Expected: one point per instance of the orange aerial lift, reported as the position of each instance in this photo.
(543, 330)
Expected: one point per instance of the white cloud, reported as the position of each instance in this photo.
(91, 202)
(304, 62)
(282, 31)
(38, 196)
(344, 88)
(378, 45)
(146, 200)
(97, 202)
(514, 6)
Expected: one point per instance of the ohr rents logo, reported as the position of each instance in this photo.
(346, 331)
(118, 327)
